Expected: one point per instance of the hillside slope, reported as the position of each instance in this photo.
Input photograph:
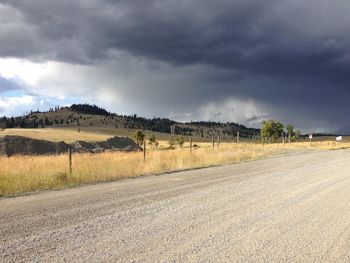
(91, 116)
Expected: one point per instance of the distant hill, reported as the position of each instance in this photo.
(85, 115)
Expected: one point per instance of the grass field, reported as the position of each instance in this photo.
(21, 174)
(85, 134)
(51, 134)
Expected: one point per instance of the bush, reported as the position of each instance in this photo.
(139, 137)
(180, 141)
(153, 141)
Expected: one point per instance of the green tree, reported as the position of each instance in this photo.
(296, 136)
(139, 137)
(272, 129)
(153, 141)
(47, 122)
(290, 129)
(180, 141)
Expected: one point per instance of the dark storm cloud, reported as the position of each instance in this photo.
(293, 55)
(9, 85)
(250, 36)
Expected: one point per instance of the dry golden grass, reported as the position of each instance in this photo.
(56, 135)
(21, 174)
(86, 134)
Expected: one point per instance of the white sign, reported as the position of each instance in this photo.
(339, 138)
(310, 136)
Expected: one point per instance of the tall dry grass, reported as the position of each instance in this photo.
(21, 174)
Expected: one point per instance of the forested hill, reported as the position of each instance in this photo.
(85, 115)
(89, 109)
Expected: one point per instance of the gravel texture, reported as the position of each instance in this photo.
(286, 209)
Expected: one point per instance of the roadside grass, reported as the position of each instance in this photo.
(22, 174)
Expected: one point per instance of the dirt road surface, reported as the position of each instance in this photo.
(285, 209)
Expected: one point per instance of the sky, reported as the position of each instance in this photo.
(239, 61)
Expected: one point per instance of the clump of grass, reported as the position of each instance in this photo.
(21, 174)
(62, 177)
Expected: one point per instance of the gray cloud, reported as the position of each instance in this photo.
(10, 84)
(290, 56)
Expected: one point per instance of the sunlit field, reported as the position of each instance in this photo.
(56, 135)
(21, 174)
(85, 133)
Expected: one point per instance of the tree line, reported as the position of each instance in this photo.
(273, 130)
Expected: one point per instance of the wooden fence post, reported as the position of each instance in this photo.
(144, 150)
(237, 136)
(171, 142)
(191, 145)
(70, 160)
(218, 144)
(212, 141)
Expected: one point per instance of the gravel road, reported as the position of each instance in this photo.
(294, 208)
